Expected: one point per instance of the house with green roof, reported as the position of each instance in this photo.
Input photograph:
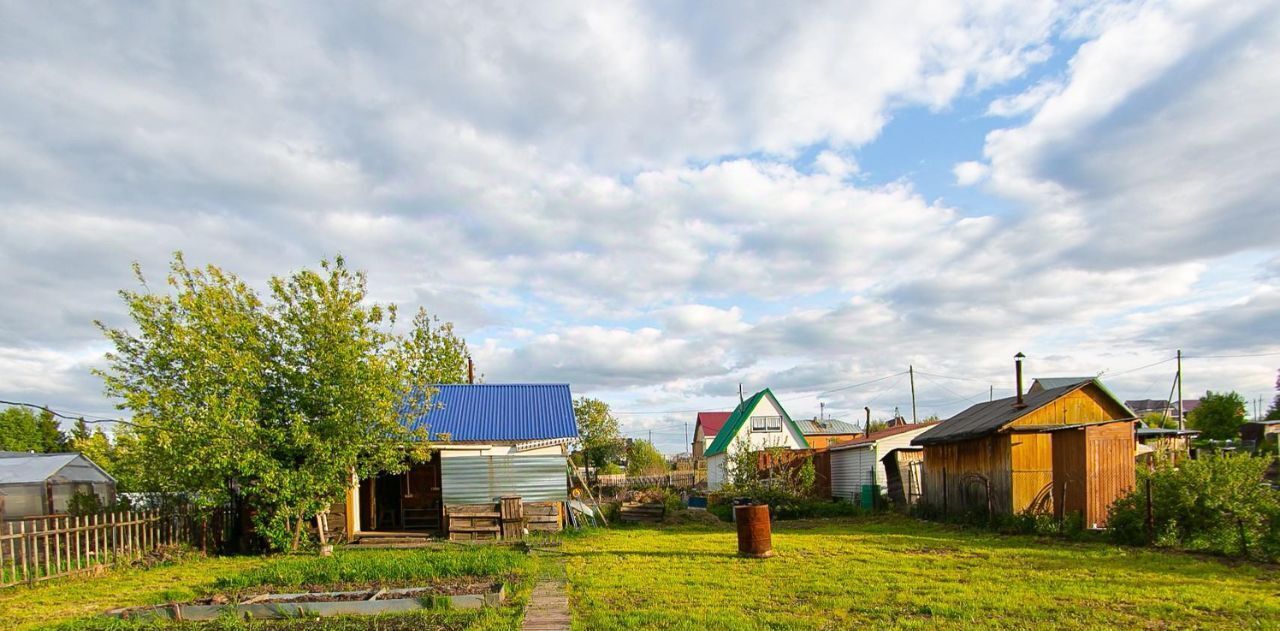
(759, 422)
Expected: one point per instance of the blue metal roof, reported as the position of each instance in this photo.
(498, 412)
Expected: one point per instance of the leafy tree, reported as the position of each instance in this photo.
(19, 430)
(52, 440)
(644, 459)
(598, 432)
(23, 429)
(1159, 421)
(435, 354)
(274, 403)
(1219, 415)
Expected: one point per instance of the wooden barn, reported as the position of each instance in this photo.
(998, 457)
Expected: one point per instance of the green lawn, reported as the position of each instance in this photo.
(898, 572)
(77, 603)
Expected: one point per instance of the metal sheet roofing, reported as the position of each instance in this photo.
(985, 418)
(711, 422)
(1049, 383)
(28, 468)
(491, 412)
(815, 427)
(875, 437)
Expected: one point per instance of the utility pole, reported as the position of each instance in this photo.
(1182, 421)
(650, 437)
(740, 398)
(991, 394)
(911, 370)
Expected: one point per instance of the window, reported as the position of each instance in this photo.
(766, 423)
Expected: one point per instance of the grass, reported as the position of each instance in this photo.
(23, 608)
(380, 568)
(902, 573)
(77, 603)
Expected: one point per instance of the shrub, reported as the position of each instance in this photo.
(787, 506)
(1218, 504)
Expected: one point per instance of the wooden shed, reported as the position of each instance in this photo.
(902, 469)
(995, 457)
(1093, 466)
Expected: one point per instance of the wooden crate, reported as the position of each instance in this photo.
(543, 516)
(474, 523)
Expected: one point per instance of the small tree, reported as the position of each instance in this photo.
(1159, 420)
(645, 459)
(598, 432)
(277, 403)
(1219, 415)
(19, 430)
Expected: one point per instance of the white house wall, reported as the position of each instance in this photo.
(715, 472)
(464, 450)
(788, 438)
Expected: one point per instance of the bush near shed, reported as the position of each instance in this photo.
(1218, 504)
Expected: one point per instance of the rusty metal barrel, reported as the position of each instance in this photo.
(755, 535)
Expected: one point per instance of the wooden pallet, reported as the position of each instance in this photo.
(636, 512)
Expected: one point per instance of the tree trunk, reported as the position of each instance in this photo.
(297, 532)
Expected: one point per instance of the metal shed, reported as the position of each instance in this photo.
(42, 484)
(491, 442)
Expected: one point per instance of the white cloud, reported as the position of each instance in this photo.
(619, 196)
(969, 173)
(1023, 102)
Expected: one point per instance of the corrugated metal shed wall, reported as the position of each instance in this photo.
(850, 469)
(483, 479)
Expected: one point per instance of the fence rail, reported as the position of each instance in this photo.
(674, 479)
(33, 550)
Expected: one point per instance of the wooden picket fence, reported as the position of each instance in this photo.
(39, 549)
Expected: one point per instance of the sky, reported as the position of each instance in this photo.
(656, 202)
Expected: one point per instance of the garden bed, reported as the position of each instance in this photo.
(323, 604)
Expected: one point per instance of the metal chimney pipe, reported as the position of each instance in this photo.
(868, 425)
(471, 371)
(1017, 369)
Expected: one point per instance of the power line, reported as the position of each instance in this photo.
(865, 383)
(1230, 356)
(929, 374)
(1143, 367)
(66, 416)
(926, 376)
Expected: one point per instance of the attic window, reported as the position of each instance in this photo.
(766, 423)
